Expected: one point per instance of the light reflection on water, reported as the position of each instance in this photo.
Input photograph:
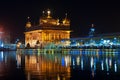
(67, 64)
(47, 67)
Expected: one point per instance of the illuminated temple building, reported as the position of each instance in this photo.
(48, 30)
(4, 39)
(104, 40)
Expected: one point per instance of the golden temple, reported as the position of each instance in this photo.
(48, 30)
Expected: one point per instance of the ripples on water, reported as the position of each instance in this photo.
(88, 64)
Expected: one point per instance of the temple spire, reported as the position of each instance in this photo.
(65, 15)
(43, 13)
(28, 18)
(28, 24)
(92, 25)
(92, 31)
(48, 13)
(66, 21)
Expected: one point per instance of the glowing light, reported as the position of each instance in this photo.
(105, 41)
(2, 45)
(28, 17)
(92, 29)
(18, 60)
(102, 65)
(1, 56)
(58, 77)
(19, 44)
(110, 63)
(108, 41)
(43, 12)
(48, 12)
(58, 22)
(115, 67)
(92, 62)
(115, 38)
(82, 64)
(67, 60)
(73, 62)
(107, 64)
(111, 43)
(63, 61)
(78, 60)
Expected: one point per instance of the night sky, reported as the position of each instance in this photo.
(106, 17)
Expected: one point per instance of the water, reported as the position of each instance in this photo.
(88, 64)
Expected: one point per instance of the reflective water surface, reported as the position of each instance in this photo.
(77, 64)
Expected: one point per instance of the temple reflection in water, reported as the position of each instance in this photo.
(76, 64)
(89, 62)
(46, 68)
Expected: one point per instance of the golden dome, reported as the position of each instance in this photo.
(28, 24)
(66, 21)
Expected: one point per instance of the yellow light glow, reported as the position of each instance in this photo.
(48, 12)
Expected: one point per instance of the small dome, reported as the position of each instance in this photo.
(28, 24)
(66, 21)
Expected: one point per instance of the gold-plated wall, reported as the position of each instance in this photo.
(45, 36)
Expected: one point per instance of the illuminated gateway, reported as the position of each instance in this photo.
(48, 30)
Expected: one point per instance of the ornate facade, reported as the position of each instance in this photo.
(48, 30)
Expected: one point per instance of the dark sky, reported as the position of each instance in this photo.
(106, 17)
